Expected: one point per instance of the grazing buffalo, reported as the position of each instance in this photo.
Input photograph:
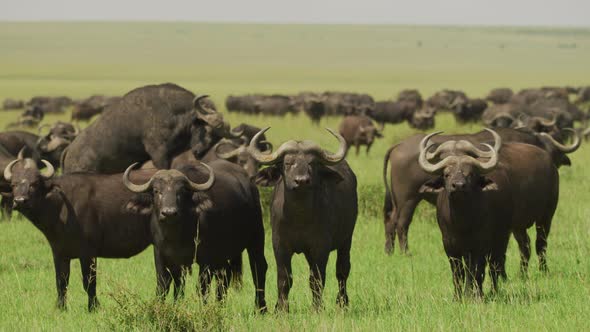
(402, 193)
(500, 96)
(445, 100)
(153, 122)
(411, 96)
(313, 211)
(480, 201)
(359, 130)
(82, 216)
(214, 219)
(12, 104)
(423, 118)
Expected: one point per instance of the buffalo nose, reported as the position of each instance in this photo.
(302, 180)
(19, 200)
(458, 185)
(169, 212)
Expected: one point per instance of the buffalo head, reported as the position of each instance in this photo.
(239, 154)
(171, 191)
(27, 181)
(459, 168)
(300, 164)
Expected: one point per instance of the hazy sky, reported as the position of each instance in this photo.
(478, 12)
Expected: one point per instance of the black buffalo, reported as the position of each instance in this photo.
(313, 211)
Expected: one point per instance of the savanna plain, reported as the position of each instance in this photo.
(386, 292)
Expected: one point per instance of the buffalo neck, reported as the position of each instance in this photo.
(46, 214)
(300, 203)
(464, 209)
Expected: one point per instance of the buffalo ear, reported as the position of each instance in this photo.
(268, 177)
(202, 202)
(432, 186)
(326, 172)
(487, 184)
(141, 204)
(566, 161)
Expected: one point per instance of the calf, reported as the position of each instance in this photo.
(82, 216)
(213, 222)
(313, 211)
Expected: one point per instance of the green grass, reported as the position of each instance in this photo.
(387, 293)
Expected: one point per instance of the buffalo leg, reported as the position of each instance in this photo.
(88, 265)
(178, 274)
(541, 245)
(163, 276)
(475, 275)
(524, 244)
(204, 281)
(402, 224)
(62, 279)
(389, 221)
(369, 147)
(223, 276)
(342, 273)
(358, 148)
(498, 261)
(458, 271)
(284, 278)
(317, 276)
(258, 267)
(236, 270)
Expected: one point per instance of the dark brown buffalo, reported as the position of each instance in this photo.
(411, 96)
(403, 196)
(93, 105)
(470, 111)
(357, 131)
(500, 96)
(153, 122)
(445, 100)
(12, 104)
(313, 211)
(82, 216)
(393, 112)
(212, 221)
(482, 195)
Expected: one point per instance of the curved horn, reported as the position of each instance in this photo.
(423, 161)
(234, 133)
(21, 153)
(267, 144)
(50, 172)
(77, 130)
(497, 144)
(202, 186)
(199, 106)
(40, 128)
(334, 158)
(265, 159)
(227, 155)
(546, 123)
(564, 148)
(8, 169)
(132, 186)
(490, 164)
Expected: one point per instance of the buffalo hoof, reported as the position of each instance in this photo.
(342, 301)
(93, 305)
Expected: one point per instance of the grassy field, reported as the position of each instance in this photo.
(387, 293)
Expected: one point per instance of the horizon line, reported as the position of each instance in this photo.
(270, 22)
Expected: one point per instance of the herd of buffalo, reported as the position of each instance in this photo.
(160, 166)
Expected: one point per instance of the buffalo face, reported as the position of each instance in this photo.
(27, 182)
(171, 192)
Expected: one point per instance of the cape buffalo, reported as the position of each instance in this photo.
(82, 216)
(500, 96)
(153, 122)
(313, 211)
(12, 104)
(358, 130)
(480, 201)
(402, 197)
(214, 219)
